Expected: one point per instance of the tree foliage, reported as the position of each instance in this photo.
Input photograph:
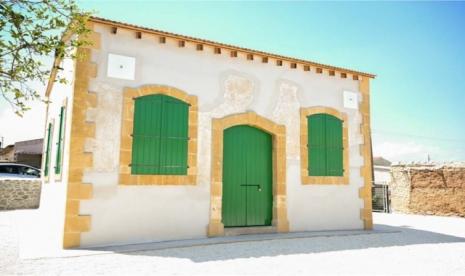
(30, 33)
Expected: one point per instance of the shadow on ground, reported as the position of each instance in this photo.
(386, 236)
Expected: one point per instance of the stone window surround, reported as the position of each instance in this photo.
(125, 176)
(278, 132)
(322, 180)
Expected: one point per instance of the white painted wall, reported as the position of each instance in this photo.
(53, 195)
(224, 85)
(382, 174)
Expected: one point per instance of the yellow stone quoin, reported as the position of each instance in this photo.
(365, 150)
(307, 179)
(278, 132)
(125, 176)
(79, 160)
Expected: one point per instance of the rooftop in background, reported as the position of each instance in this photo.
(29, 146)
(6, 149)
(380, 161)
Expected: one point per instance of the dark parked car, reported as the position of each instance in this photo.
(13, 170)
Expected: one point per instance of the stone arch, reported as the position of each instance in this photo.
(278, 132)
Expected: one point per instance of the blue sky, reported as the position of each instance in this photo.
(417, 51)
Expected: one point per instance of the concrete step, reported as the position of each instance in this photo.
(236, 231)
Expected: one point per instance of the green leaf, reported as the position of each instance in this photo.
(32, 31)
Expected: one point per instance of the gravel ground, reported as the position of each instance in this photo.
(423, 245)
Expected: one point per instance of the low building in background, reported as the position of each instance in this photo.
(381, 170)
(27, 152)
(7, 154)
(380, 189)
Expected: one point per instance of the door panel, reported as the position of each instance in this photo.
(247, 177)
(234, 162)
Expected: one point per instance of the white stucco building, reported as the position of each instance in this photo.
(160, 136)
(381, 171)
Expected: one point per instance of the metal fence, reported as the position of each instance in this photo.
(381, 201)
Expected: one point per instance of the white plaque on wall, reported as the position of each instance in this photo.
(121, 67)
(350, 100)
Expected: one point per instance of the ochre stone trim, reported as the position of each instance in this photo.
(79, 160)
(306, 179)
(365, 151)
(125, 176)
(280, 221)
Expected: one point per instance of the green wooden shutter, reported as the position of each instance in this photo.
(160, 136)
(316, 145)
(48, 149)
(174, 137)
(60, 142)
(334, 146)
(146, 135)
(325, 147)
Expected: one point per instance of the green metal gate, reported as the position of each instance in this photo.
(247, 177)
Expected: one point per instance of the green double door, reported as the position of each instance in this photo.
(247, 177)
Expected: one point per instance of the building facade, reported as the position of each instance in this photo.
(381, 171)
(27, 152)
(160, 136)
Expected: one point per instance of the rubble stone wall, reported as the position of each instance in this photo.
(428, 190)
(19, 194)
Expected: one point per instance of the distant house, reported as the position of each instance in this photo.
(159, 136)
(7, 154)
(382, 170)
(27, 152)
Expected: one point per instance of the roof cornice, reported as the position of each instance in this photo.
(231, 48)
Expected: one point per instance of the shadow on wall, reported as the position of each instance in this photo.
(387, 237)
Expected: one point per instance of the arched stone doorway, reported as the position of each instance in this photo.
(278, 134)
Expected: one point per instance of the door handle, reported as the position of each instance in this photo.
(259, 188)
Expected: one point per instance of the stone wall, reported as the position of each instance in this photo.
(19, 194)
(434, 190)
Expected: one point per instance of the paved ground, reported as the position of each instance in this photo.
(422, 245)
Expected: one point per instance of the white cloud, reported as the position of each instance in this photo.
(417, 151)
(31, 126)
(398, 151)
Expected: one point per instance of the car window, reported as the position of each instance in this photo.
(31, 171)
(21, 170)
(27, 171)
(9, 169)
(15, 169)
